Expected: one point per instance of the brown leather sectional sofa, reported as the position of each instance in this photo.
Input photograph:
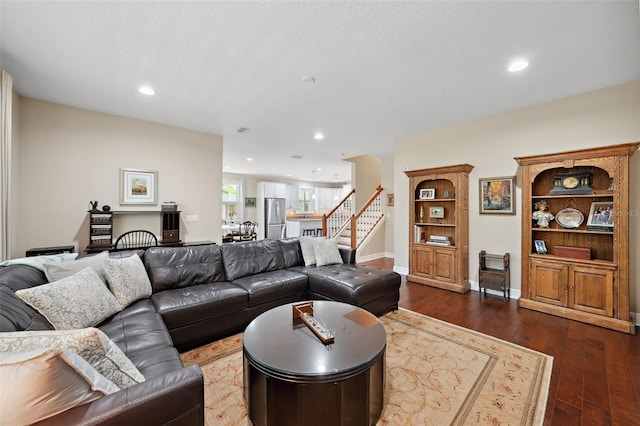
(199, 294)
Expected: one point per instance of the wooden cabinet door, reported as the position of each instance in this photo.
(591, 290)
(444, 265)
(549, 282)
(422, 261)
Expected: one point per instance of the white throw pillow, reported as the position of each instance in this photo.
(306, 244)
(81, 300)
(59, 270)
(89, 343)
(128, 279)
(39, 384)
(326, 251)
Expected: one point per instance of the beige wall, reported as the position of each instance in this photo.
(366, 176)
(70, 156)
(389, 211)
(604, 117)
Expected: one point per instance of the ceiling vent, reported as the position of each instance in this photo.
(242, 130)
(297, 157)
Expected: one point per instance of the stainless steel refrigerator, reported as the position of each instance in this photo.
(275, 214)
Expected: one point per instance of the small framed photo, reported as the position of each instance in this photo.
(427, 194)
(436, 212)
(390, 200)
(497, 195)
(138, 186)
(601, 216)
(249, 202)
(541, 247)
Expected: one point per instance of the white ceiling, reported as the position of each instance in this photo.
(383, 69)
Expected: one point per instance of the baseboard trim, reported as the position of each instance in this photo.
(369, 257)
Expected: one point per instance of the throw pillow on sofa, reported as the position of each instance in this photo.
(39, 384)
(79, 301)
(326, 251)
(306, 245)
(90, 343)
(128, 279)
(59, 270)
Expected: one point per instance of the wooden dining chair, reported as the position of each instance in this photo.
(247, 232)
(135, 240)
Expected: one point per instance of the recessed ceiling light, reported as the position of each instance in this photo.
(318, 136)
(242, 130)
(309, 79)
(297, 157)
(518, 65)
(318, 169)
(249, 159)
(147, 90)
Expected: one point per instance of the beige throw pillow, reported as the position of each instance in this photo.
(90, 343)
(79, 301)
(326, 251)
(59, 270)
(306, 245)
(128, 279)
(39, 384)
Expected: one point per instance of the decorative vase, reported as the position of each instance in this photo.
(106, 208)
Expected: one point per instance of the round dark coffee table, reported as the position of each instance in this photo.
(292, 378)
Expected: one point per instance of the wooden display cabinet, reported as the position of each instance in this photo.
(594, 290)
(439, 227)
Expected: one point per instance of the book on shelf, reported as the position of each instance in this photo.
(440, 239)
(442, 243)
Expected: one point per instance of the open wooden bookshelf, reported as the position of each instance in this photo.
(439, 227)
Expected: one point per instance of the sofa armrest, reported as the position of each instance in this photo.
(175, 398)
(348, 255)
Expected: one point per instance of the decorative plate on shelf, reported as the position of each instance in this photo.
(569, 218)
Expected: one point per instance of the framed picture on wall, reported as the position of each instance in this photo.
(250, 202)
(390, 200)
(138, 186)
(497, 195)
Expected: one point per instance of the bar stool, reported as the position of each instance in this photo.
(308, 232)
(318, 232)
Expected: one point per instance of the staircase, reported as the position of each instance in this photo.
(352, 229)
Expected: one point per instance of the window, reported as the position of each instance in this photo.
(305, 200)
(231, 195)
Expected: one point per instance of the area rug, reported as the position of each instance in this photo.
(436, 374)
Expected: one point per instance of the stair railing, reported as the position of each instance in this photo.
(339, 217)
(363, 222)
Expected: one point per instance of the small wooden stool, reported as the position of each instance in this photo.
(494, 278)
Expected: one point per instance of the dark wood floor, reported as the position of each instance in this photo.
(596, 372)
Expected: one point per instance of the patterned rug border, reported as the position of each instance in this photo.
(535, 400)
(544, 362)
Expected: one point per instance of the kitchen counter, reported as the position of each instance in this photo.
(295, 226)
(300, 219)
